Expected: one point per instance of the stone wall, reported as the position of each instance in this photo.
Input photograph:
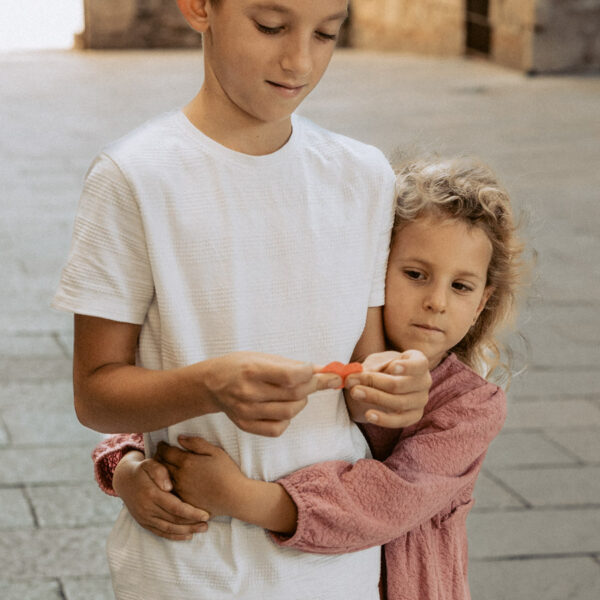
(530, 35)
(423, 26)
(135, 24)
(567, 36)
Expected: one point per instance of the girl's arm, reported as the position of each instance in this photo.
(344, 507)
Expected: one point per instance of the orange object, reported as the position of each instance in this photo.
(342, 370)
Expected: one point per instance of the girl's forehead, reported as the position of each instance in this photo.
(442, 240)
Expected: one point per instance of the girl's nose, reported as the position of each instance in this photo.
(435, 300)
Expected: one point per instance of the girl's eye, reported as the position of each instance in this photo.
(268, 30)
(413, 274)
(462, 287)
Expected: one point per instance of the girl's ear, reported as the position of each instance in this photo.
(195, 13)
(487, 292)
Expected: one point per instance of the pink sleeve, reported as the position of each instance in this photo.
(107, 454)
(344, 507)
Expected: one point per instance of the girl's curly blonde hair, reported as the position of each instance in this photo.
(466, 189)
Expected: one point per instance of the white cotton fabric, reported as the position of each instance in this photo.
(214, 251)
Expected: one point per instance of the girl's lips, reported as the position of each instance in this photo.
(427, 327)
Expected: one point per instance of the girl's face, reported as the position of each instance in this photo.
(435, 285)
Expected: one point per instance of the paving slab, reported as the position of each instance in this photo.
(33, 554)
(47, 425)
(552, 413)
(522, 533)
(532, 448)
(78, 505)
(584, 443)
(31, 590)
(490, 494)
(89, 588)
(556, 383)
(540, 134)
(550, 579)
(567, 486)
(45, 465)
(16, 512)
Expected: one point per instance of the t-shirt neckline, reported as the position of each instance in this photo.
(218, 150)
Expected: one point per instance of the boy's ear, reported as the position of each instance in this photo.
(195, 13)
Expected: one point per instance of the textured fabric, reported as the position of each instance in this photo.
(213, 251)
(415, 501)
(413, 496)
(107, 454)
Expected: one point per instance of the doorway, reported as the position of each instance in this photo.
(478, 29)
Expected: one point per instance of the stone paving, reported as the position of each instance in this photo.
(535, 531)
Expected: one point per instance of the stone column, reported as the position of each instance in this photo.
(135, 24)
(419, 26)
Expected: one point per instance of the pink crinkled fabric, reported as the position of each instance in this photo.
(412, 497)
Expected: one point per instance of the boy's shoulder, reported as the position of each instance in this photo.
(146, 139)
(339, 147)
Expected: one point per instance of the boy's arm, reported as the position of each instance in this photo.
(260, 393)
(393, 388)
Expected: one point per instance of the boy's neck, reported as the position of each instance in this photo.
(237, 130)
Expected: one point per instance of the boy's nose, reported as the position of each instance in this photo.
(296, 58)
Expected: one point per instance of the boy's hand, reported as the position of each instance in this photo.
(262, 393)
(204, 475)
(144, 486)
(392, 390)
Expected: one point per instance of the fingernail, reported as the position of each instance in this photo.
(358, 394)
(372, 417)
(351, 381)
(167, 486)
(398, 369)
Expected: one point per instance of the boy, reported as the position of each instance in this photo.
(209, 244)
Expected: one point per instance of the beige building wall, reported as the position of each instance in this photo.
(530, 35)
(423, 26)
(135, 24)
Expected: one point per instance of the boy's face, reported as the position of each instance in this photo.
(435, 285)
(263, 57)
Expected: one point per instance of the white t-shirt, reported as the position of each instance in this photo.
(214, 251)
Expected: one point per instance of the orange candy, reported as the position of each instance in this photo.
(342, 370)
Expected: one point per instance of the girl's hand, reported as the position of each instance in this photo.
(260, 393)
(392, 390)
(144, 486)
(204, 475)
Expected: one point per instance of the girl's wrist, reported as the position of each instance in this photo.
(125, 467)
(267, 505)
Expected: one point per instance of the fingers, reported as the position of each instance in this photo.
(196, 444)
(394, 420)
(394, 392)
(176, 511)
(158, 474)
(174, 533)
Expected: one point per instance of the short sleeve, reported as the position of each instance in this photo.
(108, 272)
(385, 195)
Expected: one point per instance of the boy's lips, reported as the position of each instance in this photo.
(288, 90)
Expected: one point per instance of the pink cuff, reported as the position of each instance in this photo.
(107, 454)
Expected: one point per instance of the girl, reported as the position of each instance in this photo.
(453, 273)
